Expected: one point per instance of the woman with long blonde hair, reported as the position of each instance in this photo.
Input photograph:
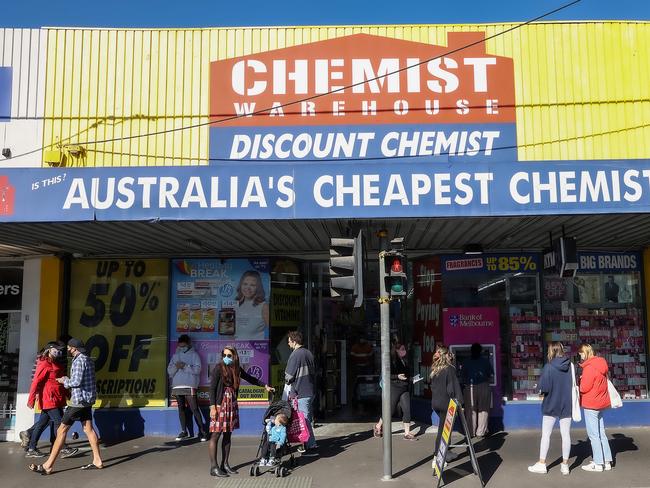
(594, 398)
(444, 386)
(555, 385)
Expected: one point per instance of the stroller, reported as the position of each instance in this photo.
(280, 470)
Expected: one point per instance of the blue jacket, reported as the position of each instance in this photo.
(278, 434)
(555, 384)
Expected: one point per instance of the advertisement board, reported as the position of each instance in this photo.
(427, 288)
(6, 74)
(219, 303)
(119, 309)
(11, 288)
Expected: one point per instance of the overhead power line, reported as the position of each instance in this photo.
(309, 98)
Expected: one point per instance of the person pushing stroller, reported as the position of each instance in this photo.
(276, 437)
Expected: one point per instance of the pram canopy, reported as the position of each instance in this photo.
(277, 407)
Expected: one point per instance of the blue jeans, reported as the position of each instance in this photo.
(601, 452)
(53, 414)
(305, 405)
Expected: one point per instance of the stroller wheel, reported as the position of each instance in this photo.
(278, 470)
(257, 470)
(251, 471)
(283, 472)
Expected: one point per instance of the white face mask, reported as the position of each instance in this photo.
(183, 348)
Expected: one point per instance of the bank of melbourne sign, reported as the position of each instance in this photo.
(5, 94)
(365, 96)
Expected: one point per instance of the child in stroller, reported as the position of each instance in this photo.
(273, 443)
(276, 436)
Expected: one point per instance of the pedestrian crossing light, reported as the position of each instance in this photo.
(346, 268)
(395, 270)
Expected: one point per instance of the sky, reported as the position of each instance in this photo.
(220, 13)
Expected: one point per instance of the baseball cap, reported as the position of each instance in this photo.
(54, 345)
(77, 344)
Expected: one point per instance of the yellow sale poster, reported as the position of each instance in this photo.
(119, 309)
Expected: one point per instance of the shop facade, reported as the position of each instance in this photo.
(175, 164)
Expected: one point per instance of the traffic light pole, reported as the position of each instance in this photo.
(386, 416)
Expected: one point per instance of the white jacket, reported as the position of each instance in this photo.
(189, 375)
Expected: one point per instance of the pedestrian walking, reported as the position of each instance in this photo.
(224, 411)
(51, 397)
(184, 371)
(400, 377)
(555, 384)
(477, 373)
(83, 389)
(300, 376)
(594, 398)
(444, 387)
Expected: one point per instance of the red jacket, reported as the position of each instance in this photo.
(593, 384)
(49, 392)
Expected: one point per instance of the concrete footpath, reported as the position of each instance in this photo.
(349, 457)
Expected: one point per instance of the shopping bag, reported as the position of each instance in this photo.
(576, 414)
(297, 431)
(286, 392)
(614, 397)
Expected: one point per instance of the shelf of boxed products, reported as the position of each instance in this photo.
(562, 328)
(617, 336)
(526, 356)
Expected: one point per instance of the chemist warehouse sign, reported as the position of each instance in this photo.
(359, 126)
(390, 98)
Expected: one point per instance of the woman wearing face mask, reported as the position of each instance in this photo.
(50, 394)
(224, 411)
(184, 370)
(399, 390)
(594, 398)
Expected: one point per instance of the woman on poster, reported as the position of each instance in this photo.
(224, 411)
(252, 314)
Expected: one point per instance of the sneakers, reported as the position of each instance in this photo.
(182, 436)
(273, 462)
(202, 437)
(262, 462)
(24, 438)
(608, 466)
(538, 468)
(69, 452)
(301, 448)
(34, 453)
(593, 467)
(564, 469)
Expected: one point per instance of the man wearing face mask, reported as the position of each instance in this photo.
(184, 371)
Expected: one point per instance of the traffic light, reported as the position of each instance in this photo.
(346, 268)
(394, 281)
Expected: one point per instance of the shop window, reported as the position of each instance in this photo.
(602, 306)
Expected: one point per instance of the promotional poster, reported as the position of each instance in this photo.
(119, 309)
(219, 303)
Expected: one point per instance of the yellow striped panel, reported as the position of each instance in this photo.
(581, 88)
(49, 327)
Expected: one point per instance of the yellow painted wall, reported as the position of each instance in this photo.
(581, 88)
(51, 300)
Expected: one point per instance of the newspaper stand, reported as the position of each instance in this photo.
(454, 409)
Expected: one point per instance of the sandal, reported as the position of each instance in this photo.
(410, 437)
(38, 468)
(376, 431)
(92, 466)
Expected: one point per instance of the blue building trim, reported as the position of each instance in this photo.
(527, 415)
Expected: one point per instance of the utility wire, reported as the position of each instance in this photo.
(313, 97)
(374, 158)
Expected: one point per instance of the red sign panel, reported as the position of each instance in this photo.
(7, 196)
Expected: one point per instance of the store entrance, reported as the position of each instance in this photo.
(346, 345)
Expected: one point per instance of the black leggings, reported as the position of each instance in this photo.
(401, 397)
(191, 402)
(225, 448)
